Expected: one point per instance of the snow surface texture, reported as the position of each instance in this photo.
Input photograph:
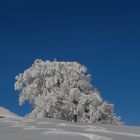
(51, 129)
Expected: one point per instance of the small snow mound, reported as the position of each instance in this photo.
(4, 113)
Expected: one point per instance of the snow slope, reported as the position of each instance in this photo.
(50, 129)
(4, 113)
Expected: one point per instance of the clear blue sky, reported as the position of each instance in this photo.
(103, 35)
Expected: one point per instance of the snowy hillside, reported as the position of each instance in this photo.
(4, 113)
(50, 129)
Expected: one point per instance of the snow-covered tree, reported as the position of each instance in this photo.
(62, 90)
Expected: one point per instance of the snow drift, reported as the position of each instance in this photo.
(5, 113)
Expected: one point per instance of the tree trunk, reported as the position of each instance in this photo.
(75, 118)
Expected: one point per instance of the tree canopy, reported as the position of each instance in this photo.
(63, 90)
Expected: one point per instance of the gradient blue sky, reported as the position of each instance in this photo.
(103, 35)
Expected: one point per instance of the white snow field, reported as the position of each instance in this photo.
(16, 128)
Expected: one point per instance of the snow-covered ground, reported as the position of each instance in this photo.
(49, 129)
(14, 128)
